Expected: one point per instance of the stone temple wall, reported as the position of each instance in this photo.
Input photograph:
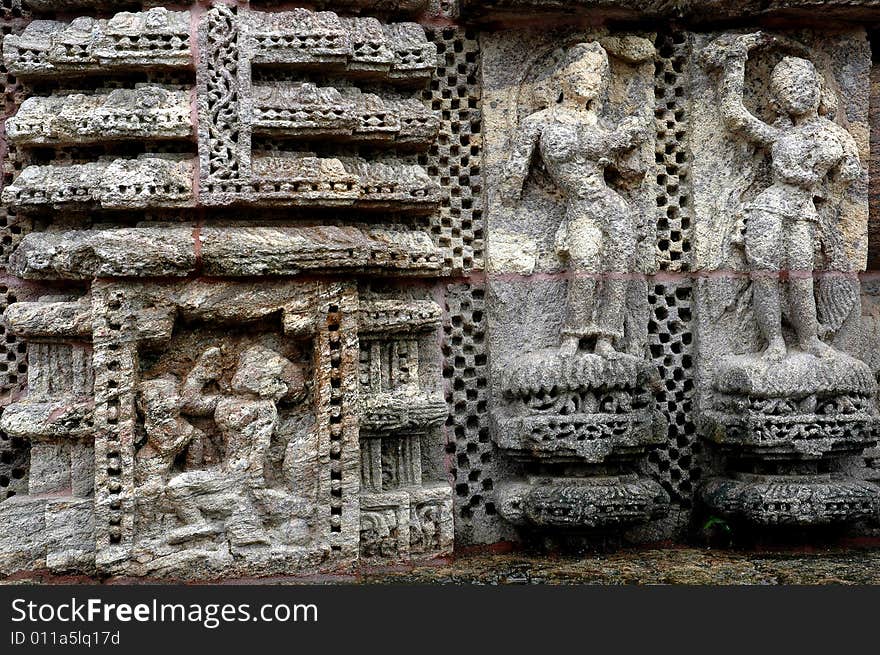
(296, 288)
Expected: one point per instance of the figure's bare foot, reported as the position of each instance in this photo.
(775, 350)
(816, 348)
(604, 348)
(569, 346)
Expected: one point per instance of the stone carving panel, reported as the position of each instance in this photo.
(286, 47)
(781, 232)
(213, 401)
(234, 421)
(56, 419)
(297, 289)
(571, 241)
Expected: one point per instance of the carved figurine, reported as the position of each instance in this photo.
(573, 419)
(168, 433)
(807, 149)
(599, 233)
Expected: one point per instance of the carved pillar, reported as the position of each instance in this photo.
(56, 419)
(403, 511)
(115, 360)
(337, 361)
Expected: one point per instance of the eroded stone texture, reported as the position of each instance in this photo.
(678, 462)
(118, 184)
(697, 11)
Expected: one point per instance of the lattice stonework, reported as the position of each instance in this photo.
(12, 226)
(465, 373)
(14, 451)
(670, 333)
(454, 159)
(673, 211)
(671, 343)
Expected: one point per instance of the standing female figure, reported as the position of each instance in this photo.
(781, 222)
(600, 229)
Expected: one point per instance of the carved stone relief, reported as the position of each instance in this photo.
(215, 400)
(572, 404)
(227, 472)
(781, 219)
(233, 114)
(295, 290)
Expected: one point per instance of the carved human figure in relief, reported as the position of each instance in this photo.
(246, 420)
(807, 149)
(168, 432)
(599, 232)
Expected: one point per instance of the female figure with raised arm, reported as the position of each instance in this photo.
(781, 222)
(599, 229)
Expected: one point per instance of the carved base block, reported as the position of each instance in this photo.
(582, 503)
(802, 435)
(586, 437)
(575, 407)
(547, 372)
(54, 533)
(804, 406)
(792, 500)
(563, 410)
(406, 523)
(797, 375)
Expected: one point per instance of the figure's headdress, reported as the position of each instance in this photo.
(587, 58)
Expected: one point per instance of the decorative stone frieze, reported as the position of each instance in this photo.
(402, 511)
(127, 41)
